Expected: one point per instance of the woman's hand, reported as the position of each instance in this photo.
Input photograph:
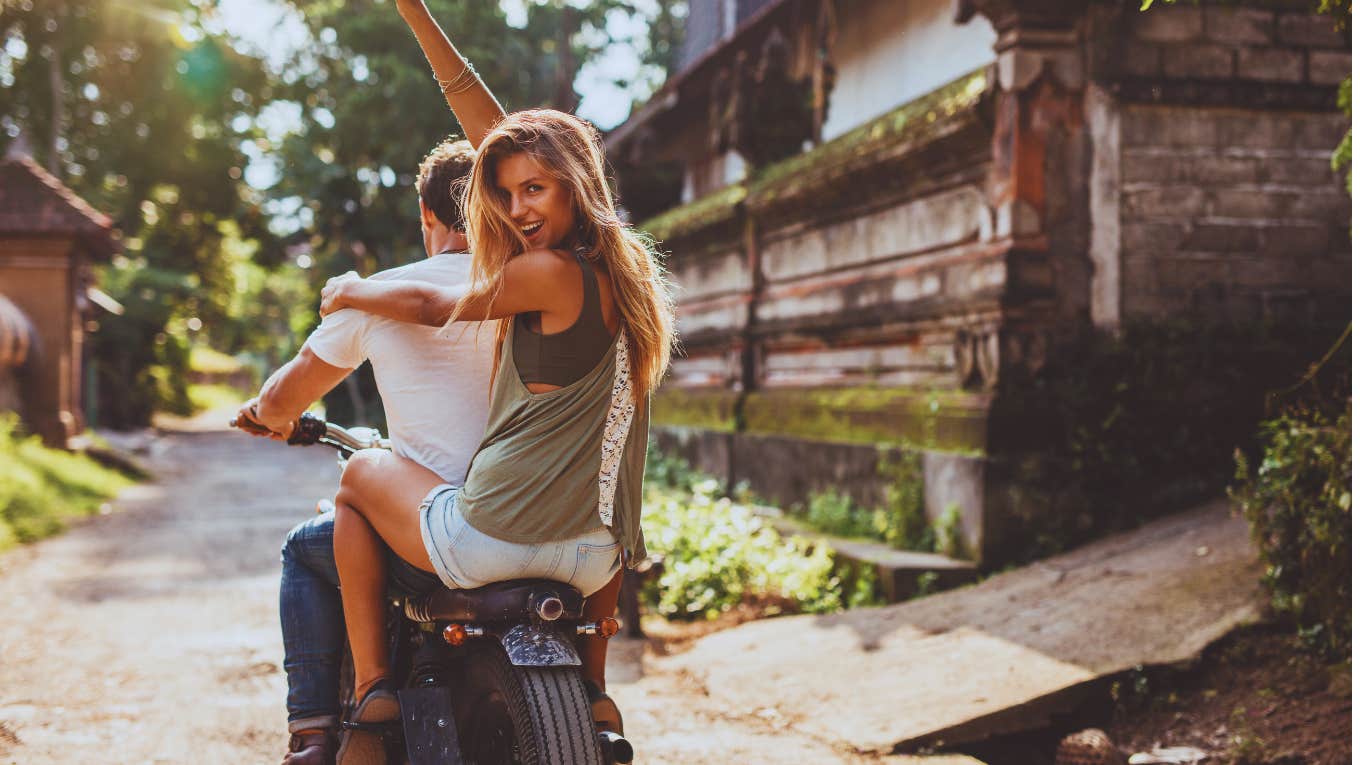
(333, 295)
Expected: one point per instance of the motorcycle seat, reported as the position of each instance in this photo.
(512, 600)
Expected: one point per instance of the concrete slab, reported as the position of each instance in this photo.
(899, 571)
(995, 657)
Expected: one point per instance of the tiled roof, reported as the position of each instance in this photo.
(33, 201)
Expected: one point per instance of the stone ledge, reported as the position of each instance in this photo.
(903, 131)
(899, 571)
(900, 132)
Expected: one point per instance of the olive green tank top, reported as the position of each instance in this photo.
(560, 464)
(562, 358)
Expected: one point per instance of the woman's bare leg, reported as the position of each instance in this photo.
(380, 494)
(363, 578)
(594, 648)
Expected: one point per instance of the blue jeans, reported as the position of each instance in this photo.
(313, 620)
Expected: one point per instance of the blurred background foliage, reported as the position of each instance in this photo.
(240, 179)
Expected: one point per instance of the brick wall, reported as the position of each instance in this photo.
(1231, 213)
(1233, 43)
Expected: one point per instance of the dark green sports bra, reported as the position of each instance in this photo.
(562, 358)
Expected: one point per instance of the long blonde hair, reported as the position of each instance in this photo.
(569, 149)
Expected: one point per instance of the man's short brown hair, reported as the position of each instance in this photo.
(440, 182)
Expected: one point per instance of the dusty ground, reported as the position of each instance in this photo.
(149, 635)
(1255, 698)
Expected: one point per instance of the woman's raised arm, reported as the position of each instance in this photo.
(530, 282)
(469, 98)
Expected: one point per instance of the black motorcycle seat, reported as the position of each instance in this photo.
(496, 602)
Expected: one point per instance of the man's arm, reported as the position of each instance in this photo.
(292, 388)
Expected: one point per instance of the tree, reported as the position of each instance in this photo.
(141, 112)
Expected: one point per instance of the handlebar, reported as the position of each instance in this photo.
(314, 430)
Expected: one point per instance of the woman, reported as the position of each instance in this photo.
(584, 336)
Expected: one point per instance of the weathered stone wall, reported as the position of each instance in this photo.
(854, 265)
(894, 288)
(1228, 206)
(821, 305)
(1232, 214)
(1291, 46)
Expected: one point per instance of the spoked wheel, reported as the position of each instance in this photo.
(525, 715)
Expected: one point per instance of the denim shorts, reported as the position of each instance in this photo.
(465, 558)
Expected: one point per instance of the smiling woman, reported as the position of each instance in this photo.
(539, 205)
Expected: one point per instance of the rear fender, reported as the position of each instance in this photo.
(528, 644)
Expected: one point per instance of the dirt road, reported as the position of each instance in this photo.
(150, 634)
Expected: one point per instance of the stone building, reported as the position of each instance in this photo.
(49, 237)
(880, 212)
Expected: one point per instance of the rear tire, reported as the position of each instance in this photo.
(525, 715)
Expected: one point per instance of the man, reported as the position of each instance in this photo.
(434, 391)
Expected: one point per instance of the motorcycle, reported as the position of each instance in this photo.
(489, 676)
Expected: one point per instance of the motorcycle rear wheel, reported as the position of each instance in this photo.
(525, 715)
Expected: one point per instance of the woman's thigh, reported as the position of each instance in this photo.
(387, 490)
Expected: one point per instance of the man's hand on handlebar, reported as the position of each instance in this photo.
(248, 419)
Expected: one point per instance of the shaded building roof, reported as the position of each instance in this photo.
(33, 201)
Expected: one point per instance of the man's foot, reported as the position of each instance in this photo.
(311, 747)
(362, 743)
(603, 710)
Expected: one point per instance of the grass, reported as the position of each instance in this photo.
(42, 488)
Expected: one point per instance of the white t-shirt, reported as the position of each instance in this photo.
(433, 382)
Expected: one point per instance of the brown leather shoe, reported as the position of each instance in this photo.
(311, 748)
(361, 743)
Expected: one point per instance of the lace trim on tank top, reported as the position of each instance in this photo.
(616, 427)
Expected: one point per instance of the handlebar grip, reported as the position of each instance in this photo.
(247, 425)
(309, 430)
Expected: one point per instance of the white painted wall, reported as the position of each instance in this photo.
(888, 52)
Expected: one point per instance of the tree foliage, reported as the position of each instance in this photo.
(1298, 501)
(141, 112)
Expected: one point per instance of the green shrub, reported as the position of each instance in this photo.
(1297, 499)
(904, 515)
(719, 553)
(832, 512)
(40, 487)
(948, 533)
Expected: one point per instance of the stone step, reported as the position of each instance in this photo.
(902, 574)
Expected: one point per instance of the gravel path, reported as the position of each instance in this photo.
(150, 634)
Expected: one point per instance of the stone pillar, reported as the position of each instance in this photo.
(1037, 185)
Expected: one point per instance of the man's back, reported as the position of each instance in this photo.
(433, 382)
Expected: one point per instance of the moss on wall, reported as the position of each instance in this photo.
(916, 122)
(714, 410)
(938, 420)
(702, 213)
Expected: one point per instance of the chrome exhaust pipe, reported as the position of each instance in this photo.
(615, 747)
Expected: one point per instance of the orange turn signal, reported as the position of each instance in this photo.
(609, 627)
(455, 634)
